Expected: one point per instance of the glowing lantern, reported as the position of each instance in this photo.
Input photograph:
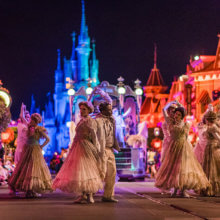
(156, 131)
(89, 91)
(68, 124)
(196, 57)
(7, 136)
(71, 92)
(121, 90)
(156, 143)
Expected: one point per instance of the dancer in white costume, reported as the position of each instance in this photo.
(199, 149)
(22, 132)
(108, 142)
(79, 172)
(211, 163)
(180, 169)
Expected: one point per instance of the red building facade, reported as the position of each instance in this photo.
(200, 85)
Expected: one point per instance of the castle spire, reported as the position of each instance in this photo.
(155, 78)
(217, 57)
(93, 49)
(58, 60)
(83, 51)
(94, 66)
(84, 29)
(73, 48)
(155, 56)
(33, 105)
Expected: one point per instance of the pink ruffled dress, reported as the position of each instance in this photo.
(80, 171)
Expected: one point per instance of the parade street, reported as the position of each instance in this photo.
(137, 201)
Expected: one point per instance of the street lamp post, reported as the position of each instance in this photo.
(121, 91)
(5, 113)
(5, 95)
(89, 89)
(139, 93)
(71, 92)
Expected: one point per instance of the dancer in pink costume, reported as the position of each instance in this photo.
(79, 173)
(22, 132)
(31, 174)
(168, 112)
(180, 169)
(211, 163)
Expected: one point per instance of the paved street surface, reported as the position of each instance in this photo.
(137, 201)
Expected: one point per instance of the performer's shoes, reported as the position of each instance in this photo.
(174, 194)
(184, 194)
(163, 192)
(29, 195)
(36, 195)
(80, 200)
(104, 199)
(90, 199)
(12, 192)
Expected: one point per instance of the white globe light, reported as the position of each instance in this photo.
(71, 92)
(196, 57)
(6, 98)
(139, 91)
(121, 90)
(68, 124)
(89, 90)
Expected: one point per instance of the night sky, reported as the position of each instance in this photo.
(125, 32)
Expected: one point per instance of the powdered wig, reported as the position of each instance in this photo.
(218, 114)
(181, 110)
(88, 105)
(103, 106)
(210, 116)
(36, 118)
(172, 107)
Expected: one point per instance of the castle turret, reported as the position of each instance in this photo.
(59, 85)
(94, 67)
(67, 67)
(73, 58)
(58, 75)
(49, 112)
(33, 105)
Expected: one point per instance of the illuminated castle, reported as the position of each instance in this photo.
(81, 66)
